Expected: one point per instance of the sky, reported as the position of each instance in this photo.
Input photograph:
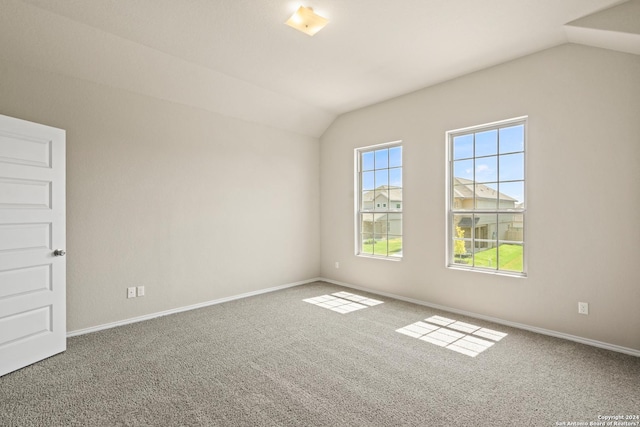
(382, 167)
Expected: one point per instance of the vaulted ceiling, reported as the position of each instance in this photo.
(238, 58)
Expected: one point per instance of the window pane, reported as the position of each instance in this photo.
(367, 243)
(366, 226)
(380, 225)
(512, 194)
(486, 143)
(394, 223)
(395, 177)
(463, 147)
(511, 227)
(381, 200)
(395, 245)
(381, 192)
(463, 169)
(461, 252)
(512, 139)
(511, 257)
(462, 194)
(486, 195)
(485, 254)
(486, 227)
(462, 224)
(382, 158)
(380, 246)
(485, 235)
(382, 177)
(486, 186)
(395, 157)
(367, 181)
(512, 167)
(487, 169)
(367, 200)
(367, 161)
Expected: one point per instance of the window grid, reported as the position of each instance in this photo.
(471, 246)
(379, 201)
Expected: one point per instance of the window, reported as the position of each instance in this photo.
(379, 188)
(486, 197)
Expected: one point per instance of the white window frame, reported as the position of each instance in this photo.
(358, 203)
(451, 210)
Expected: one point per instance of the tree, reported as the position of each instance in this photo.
(458, 247)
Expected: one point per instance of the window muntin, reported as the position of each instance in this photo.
(486, 197)
(379, 201)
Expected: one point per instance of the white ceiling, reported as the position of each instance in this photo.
(238, 58)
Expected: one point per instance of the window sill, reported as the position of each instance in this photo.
(493, 272)
(384, 258)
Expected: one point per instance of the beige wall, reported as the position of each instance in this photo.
(197, 206)
(192, 205)
(583, 192)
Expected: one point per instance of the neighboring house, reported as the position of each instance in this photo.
(507, 227)
(385, 199)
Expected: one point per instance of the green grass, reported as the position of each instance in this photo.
(510, 258)
(380, 247)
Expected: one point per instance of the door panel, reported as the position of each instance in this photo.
(15, 237)
(24, 280)
(21, 193)
(32, 226)
(24, 150)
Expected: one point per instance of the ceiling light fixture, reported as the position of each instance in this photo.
(306, 20)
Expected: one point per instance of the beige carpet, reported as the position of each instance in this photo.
(277, 360)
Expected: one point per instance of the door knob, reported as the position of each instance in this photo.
(59, 252)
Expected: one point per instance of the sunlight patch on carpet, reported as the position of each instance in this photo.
(452, 334)
(343, 302)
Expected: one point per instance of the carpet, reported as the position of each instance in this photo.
(276, 360)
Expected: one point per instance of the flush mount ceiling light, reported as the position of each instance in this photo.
(305, 20)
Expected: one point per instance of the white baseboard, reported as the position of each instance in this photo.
(587, 341)
(186, 308)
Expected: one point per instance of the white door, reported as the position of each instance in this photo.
(32, 243)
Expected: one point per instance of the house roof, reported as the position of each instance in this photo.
(466, 222)
(391, 193)
(463, 189)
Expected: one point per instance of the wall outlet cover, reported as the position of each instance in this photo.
(583, 308)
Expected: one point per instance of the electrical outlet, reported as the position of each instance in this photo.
(131, 292)
(337, 264)
(140, 291)
(583, 308)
